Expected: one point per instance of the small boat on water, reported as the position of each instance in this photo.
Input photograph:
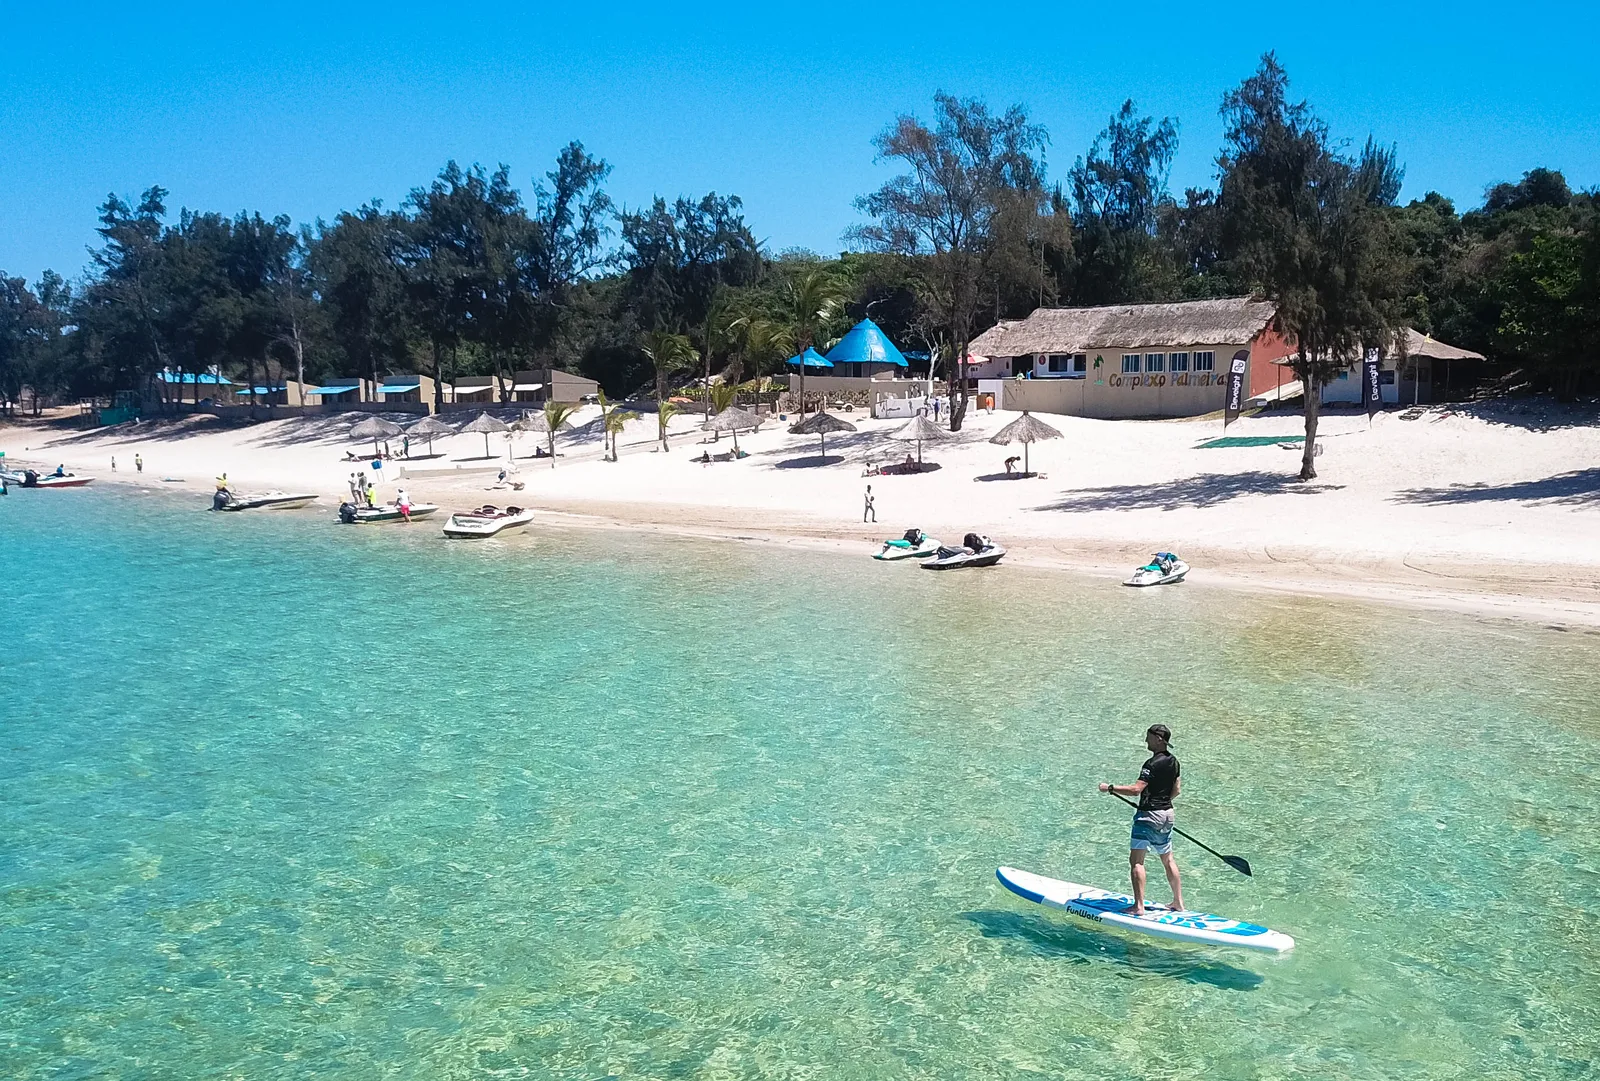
(273, 500)
(1164, 568)
(29, 478)
(915, 544)
(975, 551)
(351, 514)
(486, 521)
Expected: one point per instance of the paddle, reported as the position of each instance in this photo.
(1238, 863)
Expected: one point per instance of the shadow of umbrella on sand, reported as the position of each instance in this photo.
(821, 424)
(732, 419)
(920, 429)
(486, 424)
(375, 428)
(1025, 429)
(538, 421)
(430, 428)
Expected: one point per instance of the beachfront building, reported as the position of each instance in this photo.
(1424, 374)
(1132, 360)
(552, 385)
(342, 390)
(406, 387)
(474, 390)
(195, 387)
(866, 353)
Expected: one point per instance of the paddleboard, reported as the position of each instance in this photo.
(1116, 909)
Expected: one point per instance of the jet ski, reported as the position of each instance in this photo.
(486, 521)
(273, 500)
(914, 545)
(1164, 568)
(976, 551)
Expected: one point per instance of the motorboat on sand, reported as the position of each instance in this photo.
(486, 521)
(976, 551)
(273, 500)
(915, 544)
(351, 514)
(1164, 568)
(31, 478)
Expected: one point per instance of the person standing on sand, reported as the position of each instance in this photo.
(113, 463)
(1158, 785)
(869, 508)
(402, 499)
(138, 464)
(372, 494)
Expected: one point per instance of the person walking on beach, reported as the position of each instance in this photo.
(402, 499)
(869, 508)
(1158, 785)
(138, 463)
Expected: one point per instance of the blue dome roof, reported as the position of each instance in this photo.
(866, 344)
(813, 359)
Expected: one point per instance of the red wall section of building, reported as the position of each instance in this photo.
(1267, 347)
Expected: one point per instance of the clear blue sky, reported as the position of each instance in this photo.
(309, 109)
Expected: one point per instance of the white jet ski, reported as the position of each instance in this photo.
(976, 551)
(273, 500)
(1164, 568)
(914, 545)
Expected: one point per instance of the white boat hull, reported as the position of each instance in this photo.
(1146, 577)
(477, 527)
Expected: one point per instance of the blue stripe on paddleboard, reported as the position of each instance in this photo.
(1036, 898)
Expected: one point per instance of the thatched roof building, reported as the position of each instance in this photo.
(1230, 321)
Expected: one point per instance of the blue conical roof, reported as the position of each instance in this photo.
(866, 344)
(813, 359)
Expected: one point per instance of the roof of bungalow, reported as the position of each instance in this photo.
(1228, 321)
(812, 358)
(207, 379)
(1421, 345)
(866, 344)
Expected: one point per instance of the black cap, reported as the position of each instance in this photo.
(1161, 730)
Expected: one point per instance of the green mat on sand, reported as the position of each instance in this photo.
(1251, 441)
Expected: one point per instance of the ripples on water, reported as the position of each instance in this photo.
(285, 799)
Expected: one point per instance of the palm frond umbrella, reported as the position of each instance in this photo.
(732, 419)
(486, 424)
(920, 429)
(1025, 429)
(821, 423)
(538, 420)
(375, 428)
(430, 428)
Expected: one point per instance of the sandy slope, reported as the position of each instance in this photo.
(1497, 511)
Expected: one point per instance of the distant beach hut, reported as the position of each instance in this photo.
(866, 352)
(375, 428)
(810, 359)
(820, 424)
(488, 425)
(430, 428)
(922, 430)
(732, 419)
(1025, 429)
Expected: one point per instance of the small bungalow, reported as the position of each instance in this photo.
(195, 386)
(866, 352)
(1423, 374)
(552, 385)
(343, 390)
(1133, 360)
(475, 390)
(405, 387)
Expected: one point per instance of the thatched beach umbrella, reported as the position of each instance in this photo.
(821, 424)
(486, 424)
(1025, 429)
(430, 428)
(375, 428)
(732, 419)
(920, 429)
(538, 420)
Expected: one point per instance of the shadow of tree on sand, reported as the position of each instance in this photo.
(1580, 487)
(1206, 490)
(1044, 937)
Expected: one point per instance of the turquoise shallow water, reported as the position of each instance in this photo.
(280, 799)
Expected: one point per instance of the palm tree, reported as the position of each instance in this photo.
(668, 353)
(615, 421)
(811, 299)
(555, 418)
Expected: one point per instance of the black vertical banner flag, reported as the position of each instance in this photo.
(1371, 396)
(1234, 402)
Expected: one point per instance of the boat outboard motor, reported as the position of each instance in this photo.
(973, 541)
(347, 513)
(30, 478)
(221, 499)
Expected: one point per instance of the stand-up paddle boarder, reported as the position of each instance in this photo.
(1158, 785)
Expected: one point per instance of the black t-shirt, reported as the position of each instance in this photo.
(1160, 777)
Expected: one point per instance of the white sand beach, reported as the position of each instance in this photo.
(1494, 509)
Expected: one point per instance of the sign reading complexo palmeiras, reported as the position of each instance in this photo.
(1370, 394)
(1232, 405)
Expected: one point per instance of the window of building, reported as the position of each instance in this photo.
(1130, 363)
(1177, 362)
(1060, 363)
(1155, 362)
(1204, 362)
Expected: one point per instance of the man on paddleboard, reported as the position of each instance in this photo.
(1157, 787)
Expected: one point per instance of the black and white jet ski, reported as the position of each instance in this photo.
(976, 551)
(1164, 568)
